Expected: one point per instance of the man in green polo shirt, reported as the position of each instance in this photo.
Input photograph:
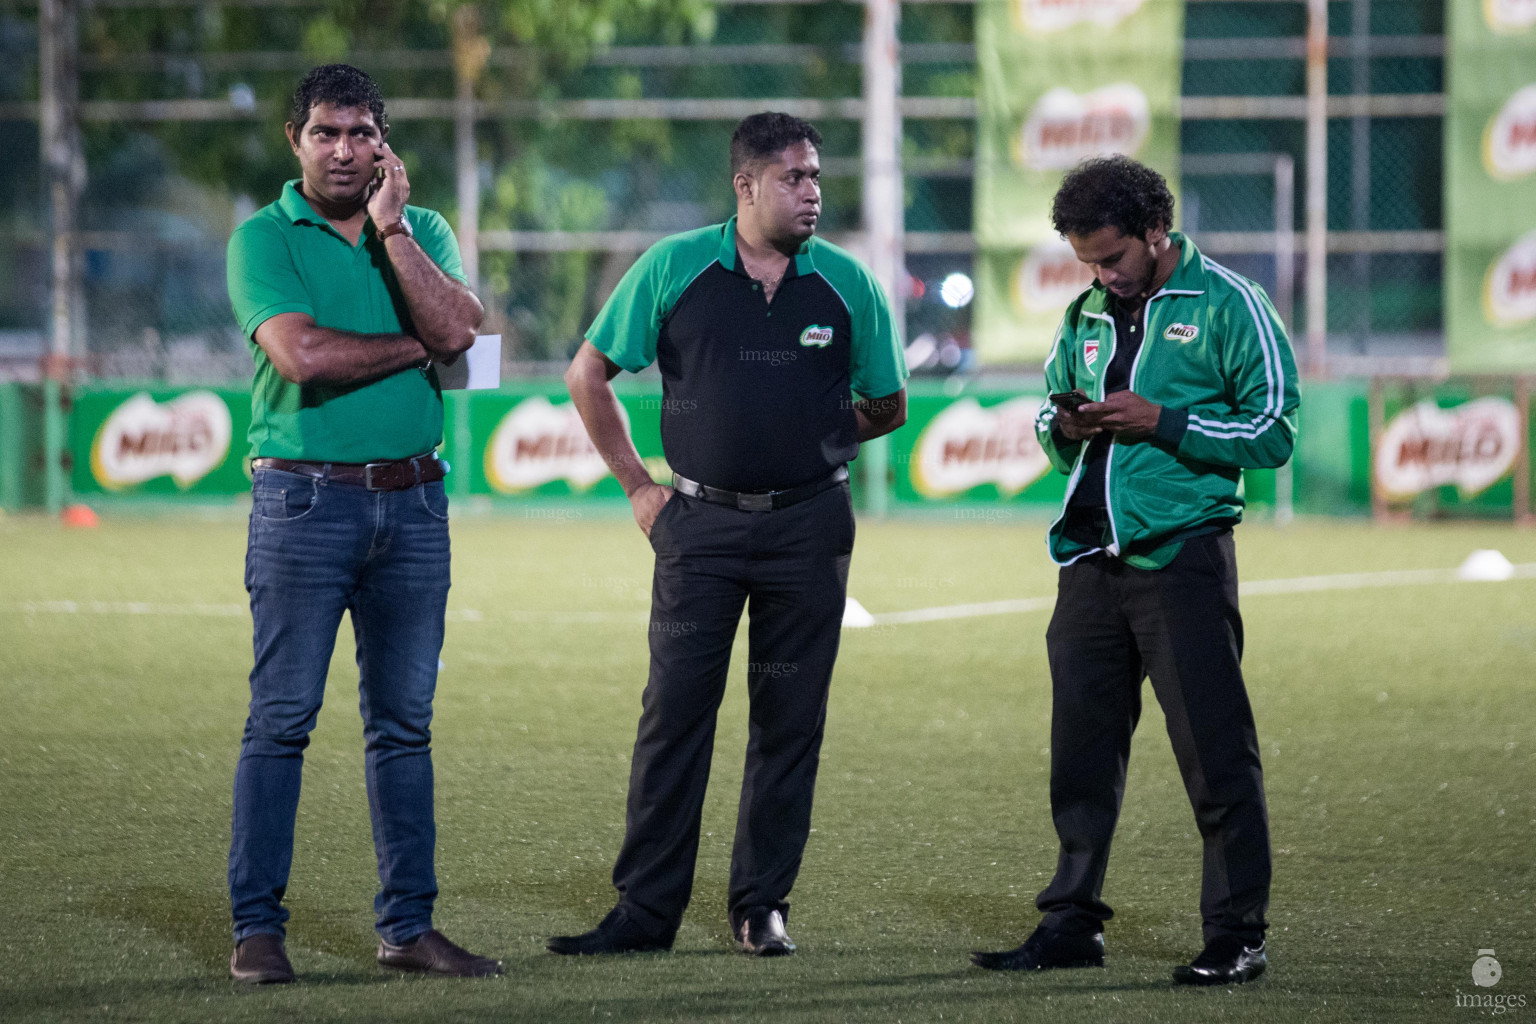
(347, 296)
(764, 335)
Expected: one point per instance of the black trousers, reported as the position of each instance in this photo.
(1113, 626)
(789, 570)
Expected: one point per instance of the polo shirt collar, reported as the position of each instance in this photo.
(297, 209)
(803, 264)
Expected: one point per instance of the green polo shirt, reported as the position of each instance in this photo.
(756, 395)
(288, 259)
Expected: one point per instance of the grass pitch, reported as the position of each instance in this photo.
(1397, 729)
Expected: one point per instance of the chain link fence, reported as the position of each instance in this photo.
(569, 195)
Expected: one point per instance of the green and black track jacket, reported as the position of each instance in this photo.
(1216, 358)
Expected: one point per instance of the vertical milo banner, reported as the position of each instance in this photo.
(1059, 81)
(1490, 168)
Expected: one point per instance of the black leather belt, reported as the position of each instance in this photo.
(398, 475)
(765, 501)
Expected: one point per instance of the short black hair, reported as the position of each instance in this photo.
(761, 137)
(1112, 191)
(340, 85)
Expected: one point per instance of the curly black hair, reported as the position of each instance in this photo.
(340, 85)
(761, 137)
(1112, 191)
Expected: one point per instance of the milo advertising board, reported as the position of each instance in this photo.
(159, 441)
(1452, 450)
(974, 448)
(532, 443)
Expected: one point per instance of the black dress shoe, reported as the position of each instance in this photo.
(1226, 960)
(432, 953)
(762, 933)
(1046, 950)
(616, 934)
(260, 960)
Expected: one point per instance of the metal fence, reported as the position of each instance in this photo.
(576, 166)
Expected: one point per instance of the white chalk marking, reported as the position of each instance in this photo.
(1254, 588)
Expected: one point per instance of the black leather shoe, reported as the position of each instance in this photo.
(1226, 960)
(616, 934)
(1045, 950)
(260, 960)
(762, 933)
(432, 953)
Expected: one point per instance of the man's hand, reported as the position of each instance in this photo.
(1075, 424)
(1125, 413)
(647, 501)
(387, 203)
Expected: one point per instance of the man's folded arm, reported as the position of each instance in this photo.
(305, 353)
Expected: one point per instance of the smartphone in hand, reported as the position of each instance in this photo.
(1070, 400)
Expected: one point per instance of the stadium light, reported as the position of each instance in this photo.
(957, 290)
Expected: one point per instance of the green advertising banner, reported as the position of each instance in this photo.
(530, 442)
(1453, 448)
(1490, 178)
(159, 441)
(979, 447)
(1059, 81)
(970, 451)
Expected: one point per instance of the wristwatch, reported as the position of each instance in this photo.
(399, 227)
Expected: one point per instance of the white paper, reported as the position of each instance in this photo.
(476, 369)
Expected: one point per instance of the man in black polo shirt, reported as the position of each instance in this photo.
(763, 333)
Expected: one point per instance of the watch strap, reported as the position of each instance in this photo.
(399, 227)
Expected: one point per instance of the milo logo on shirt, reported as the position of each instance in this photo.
(817, 336)
(1181, 332)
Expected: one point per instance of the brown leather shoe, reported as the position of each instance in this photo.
(432, 953)
(259, 960)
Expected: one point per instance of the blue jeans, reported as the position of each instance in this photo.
(317, 550)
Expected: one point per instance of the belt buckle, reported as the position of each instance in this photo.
(755, 502)
(368, 475)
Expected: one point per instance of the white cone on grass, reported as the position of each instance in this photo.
(856, 616)
(1486, 566)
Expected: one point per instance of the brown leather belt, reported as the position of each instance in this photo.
(766, 501)
(398, 475)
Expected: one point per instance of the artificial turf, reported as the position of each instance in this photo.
(1396, 723)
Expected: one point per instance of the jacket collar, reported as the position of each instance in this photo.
(1188, 277)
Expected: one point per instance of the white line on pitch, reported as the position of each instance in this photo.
(1254, 588)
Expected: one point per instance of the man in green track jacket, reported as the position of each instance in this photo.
(1169, 376)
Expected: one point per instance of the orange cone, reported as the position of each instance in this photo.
(80, 515)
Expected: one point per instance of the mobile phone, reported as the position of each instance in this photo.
(1070, 399)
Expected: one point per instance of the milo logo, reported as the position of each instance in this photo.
(817, 336)
(1181, 332)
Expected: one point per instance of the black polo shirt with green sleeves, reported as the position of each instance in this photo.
(757, 396)
(287, 259)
